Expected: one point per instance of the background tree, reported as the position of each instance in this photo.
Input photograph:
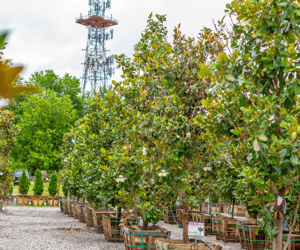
(66, 85)
(38, 187)
(45, 120)
(23, 183)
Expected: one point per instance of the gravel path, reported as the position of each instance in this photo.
(23, 228)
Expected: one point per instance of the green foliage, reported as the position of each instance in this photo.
(23, 183)
(8, 133)
(62, 86)
(45, 119)
(65, 190)
(38, 188)
(53, 184)
(252, 114)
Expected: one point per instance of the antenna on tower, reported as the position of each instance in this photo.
(97, 67)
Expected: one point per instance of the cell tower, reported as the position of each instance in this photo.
(98, 68)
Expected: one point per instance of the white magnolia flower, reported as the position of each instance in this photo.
(3, 102)
(163, 173)
(1, 173)
(188, 135)
(121, 179)
(144, 151)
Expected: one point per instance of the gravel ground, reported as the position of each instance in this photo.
(23, 228)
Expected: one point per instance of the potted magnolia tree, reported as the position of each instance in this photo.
(253, 108)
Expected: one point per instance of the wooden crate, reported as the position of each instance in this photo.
(37, 200)
(138, 239)
(88, 216)
(70, 208)
(204, 207)
(10, 201)
(97, 218)
(75, 211)
(66, 206)
(249, 240)
(112, 227)
(23, 200)
(240, 211)
(226, 207)
(226, 229)
(215, 207)
(52, 201)
(294, 243)
(80, 212)
(206, 219)
(168, 216)
(167, 244)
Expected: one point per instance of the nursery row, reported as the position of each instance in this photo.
(215, 117)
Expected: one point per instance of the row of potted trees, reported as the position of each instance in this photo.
(37, 199)
(216, 115)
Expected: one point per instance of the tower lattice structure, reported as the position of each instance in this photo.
(98, 67)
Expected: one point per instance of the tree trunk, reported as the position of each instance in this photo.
(106, 205)
(209, 205)
(145, 225)
(220, 204)
(232, 211)
(200, 207)
(277, 241)
(185, 223)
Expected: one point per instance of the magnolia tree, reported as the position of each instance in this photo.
(161, 97)
(8, 133)
(252, 110)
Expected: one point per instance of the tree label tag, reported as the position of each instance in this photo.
(196, 229)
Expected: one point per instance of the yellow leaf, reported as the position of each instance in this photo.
(8, 76)
(103, 151)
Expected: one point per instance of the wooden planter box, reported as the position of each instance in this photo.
(80, 212)
(88, 216)
(75, 210)
(226, 208)
(294, 243)
(66, 206)
(249, 239)
(226, 229)
(168, 216)
(240, 211)
(37, 200)
(97, 218)
(215, 207)
(10, 201)
(204, 207)
(70, 208)
(138, 239)
(206, 219)
(52, 201)
(23, 200)
(165, 244)
(112, 228)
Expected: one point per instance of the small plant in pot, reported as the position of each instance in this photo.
(37, 199)
(52, 200)
(23, 199)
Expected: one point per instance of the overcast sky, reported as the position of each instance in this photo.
(44, 35)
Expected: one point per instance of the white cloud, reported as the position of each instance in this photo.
(44, 35)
